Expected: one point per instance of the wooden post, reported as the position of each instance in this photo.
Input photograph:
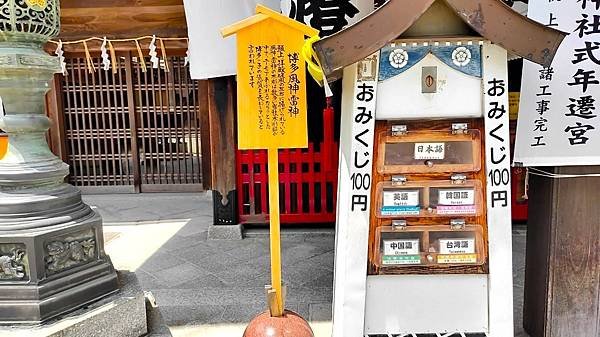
(56, 113)
(221, 112)
(133, 124)
(277, 308)
(562, 277)
(203, 116)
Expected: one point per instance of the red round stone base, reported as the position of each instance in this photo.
(288, 325)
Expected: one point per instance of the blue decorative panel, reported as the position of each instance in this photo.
(397, 59)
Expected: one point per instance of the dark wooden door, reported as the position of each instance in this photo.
(132, 130)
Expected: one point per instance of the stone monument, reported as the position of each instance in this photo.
(52, 259)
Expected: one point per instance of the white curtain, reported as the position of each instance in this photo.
(211, 55)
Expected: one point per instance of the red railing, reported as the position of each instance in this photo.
(307, 182)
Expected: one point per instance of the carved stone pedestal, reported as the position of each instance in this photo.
(51, 247)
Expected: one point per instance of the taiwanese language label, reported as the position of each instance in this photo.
(430, 150)
(456, 258)
(457, 246)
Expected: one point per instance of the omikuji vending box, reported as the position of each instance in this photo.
(423, 235)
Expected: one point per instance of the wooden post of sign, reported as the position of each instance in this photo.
(275, 235)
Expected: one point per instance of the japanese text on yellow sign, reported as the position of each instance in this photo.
(271, 82)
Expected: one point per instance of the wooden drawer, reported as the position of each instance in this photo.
(431, 198)
(423, 152)
(433, 246)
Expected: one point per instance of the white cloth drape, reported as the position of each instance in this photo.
(211, 55)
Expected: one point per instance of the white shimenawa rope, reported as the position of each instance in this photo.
(542, 173)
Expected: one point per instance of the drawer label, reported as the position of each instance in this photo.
(400, 259)
(450, 210)
(400, 210)
(450, 197)
(457, 246)
(401, 198)
(430, 150)
(457, 258)
(401, 247)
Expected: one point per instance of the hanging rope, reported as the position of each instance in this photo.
(541, 173)
(88, 59)
(164, 54)
(94, 38)
(141, 56)
(111, 49)
(113, 57)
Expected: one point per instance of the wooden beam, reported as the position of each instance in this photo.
(123, 22)
(174, 47)
(117, 3)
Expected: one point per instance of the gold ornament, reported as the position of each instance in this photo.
(38, 5)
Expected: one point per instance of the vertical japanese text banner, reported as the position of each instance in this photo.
(558, 120)
(328, 16)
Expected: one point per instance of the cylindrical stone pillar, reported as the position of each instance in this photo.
(52, 258)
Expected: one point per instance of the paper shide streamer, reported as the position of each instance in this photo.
(104, 54)
(109, 57)
(61, 58)
(153, 54)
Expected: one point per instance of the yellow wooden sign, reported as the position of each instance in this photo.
(3, 145)
(271, 106)
(271, 81)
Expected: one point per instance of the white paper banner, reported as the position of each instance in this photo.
(210, 54)
(558, 120)
(328, 16)
(357, 135)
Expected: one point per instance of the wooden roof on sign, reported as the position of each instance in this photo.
(492, 19)
(264, 13)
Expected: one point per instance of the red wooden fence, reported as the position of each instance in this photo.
(307, 182)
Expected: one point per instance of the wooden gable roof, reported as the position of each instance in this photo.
(492, 19)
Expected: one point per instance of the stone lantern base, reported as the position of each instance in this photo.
(49, 271)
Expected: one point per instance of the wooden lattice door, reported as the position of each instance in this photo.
(131, 131)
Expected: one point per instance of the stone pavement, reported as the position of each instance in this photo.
(213, 288)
